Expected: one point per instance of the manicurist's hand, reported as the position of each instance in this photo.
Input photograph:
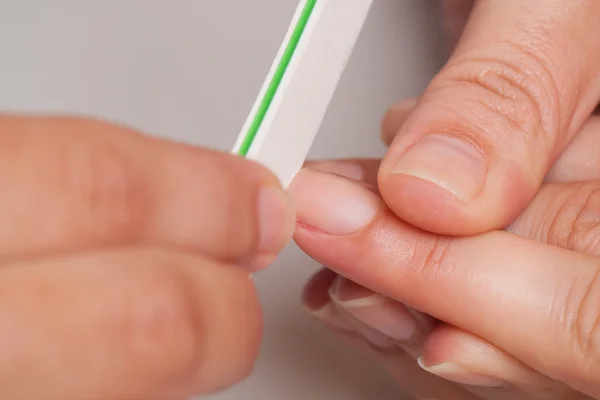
(125, 262)
(521, 82)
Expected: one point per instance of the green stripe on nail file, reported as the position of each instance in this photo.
(293, 101)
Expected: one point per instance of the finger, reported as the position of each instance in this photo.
(520, 84)
(455, 14)
(460, 357)
(349, 307)
(74, 183)
(382, 324)
(315, 298)
(380, 320)
(449, 353)
(565, 215)
(540, 216)
(394, 118)
(577, 162)
(545, 295)
(407, 328)
(125, 324)
(402, 366)
(407, 374)
(561, 214)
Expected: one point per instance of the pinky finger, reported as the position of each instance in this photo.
(460, 357)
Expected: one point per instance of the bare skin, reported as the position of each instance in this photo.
(503, 145)
(483, 317)
(125, 262)
(521, 82)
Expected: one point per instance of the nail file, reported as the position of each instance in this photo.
(293, 101)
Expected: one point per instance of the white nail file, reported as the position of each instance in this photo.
(293, 101)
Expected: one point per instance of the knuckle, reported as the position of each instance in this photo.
(576, 224)
(104, 187)
(432, 259)
(159, 329)
(517, 91)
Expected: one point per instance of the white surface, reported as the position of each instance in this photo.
(174, 68)
(298, 108)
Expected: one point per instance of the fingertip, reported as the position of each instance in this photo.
(276, 215)
(432, 207)
(421, 204)
(446, 343)
(342, 206)
(315, 294)
(276, 219)
(457, 356)
(317, 301)
(394, 118)
(347, 168)
(461, 357)
(246, 214)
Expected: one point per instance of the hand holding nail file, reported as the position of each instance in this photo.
(294, 99)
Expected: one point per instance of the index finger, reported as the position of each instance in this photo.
(72, 183)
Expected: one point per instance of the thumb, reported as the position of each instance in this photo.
(519, 86)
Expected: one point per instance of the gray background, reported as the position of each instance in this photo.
(190, 70)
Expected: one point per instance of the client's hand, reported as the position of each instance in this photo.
(510, 315)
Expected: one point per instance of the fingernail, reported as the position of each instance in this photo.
(329, 315)
(447, 162)
(455, 373)
(331, 203)
(381, 313)
(369, 334)
(316, 300)
(275, 218)
(342, 168)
